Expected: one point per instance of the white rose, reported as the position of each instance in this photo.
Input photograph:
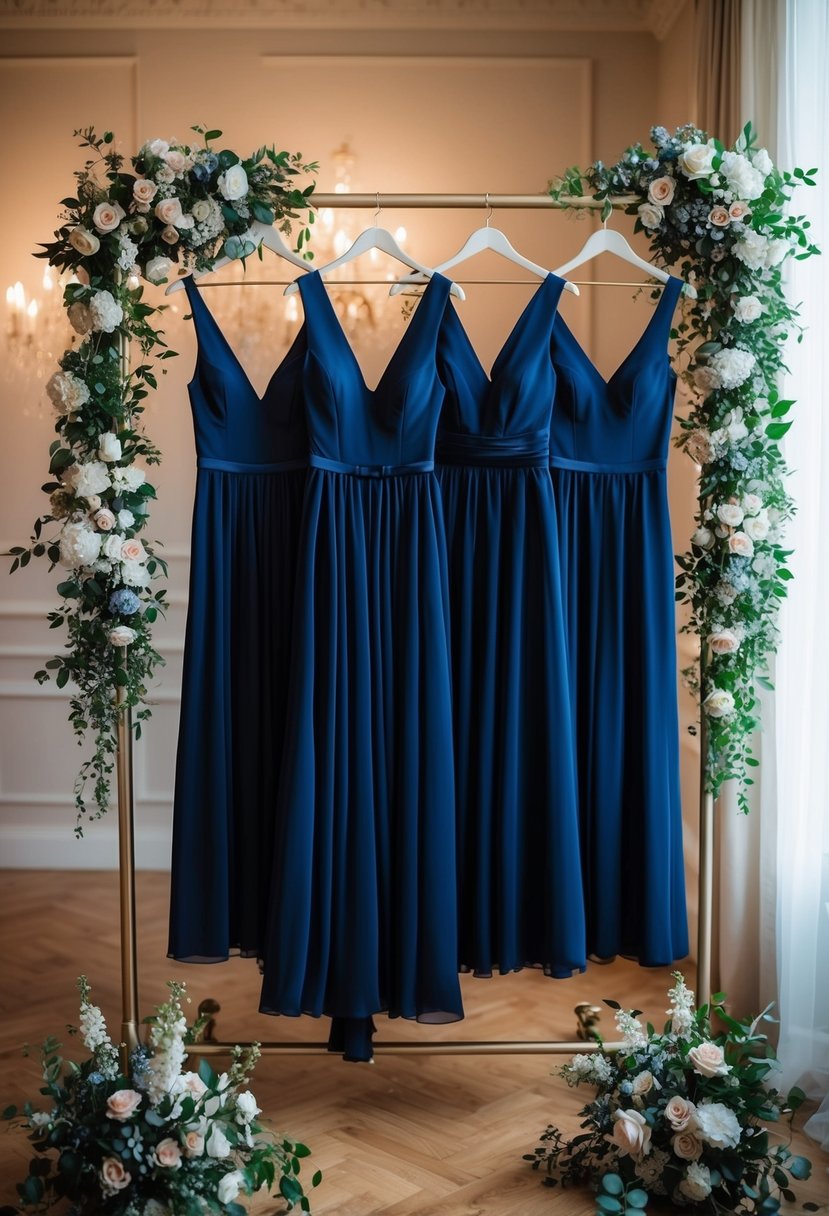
(67, 392)
(719, 703)
(723, 641)
(730, 514)
(680, 1112)
(218, 1144)
(661, 191)
(706, 379)
(757, 527)
(84, 241)
(703, 537)
(741, 545)
(109, 446)
(158, 269)
(752, 504)
(687, 1145)
(233, 183)
(201, 210)
(80, 318)
(89, 478)
(651, 214)
(158, 147)
(718, 1125)
(135, 574)
(107, 313)
(776, 251)
(762, 161)
(643, 1083)
(751, 249)
(107, 216)
(122, 635)
(246, 1108)
(111, 547)
(125, 519)
(697, 160)
(229, 1187)
(168, 210)
(144, 191)
(696, 1185)
(104, 520)
(631, 1134)
(742, 178)
(747, 308)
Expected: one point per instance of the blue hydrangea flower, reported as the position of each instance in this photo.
(211, 162)
(200, 173)
(95, 1078)
(124, 602)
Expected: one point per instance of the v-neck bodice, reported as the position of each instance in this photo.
(622, 423)
(233, 425)
(387, 428)
(513, 403)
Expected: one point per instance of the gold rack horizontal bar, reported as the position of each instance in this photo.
(513, 202)
(461, 282)
(447, 1047)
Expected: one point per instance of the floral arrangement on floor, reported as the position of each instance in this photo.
(154, 1141)
(719, 217)
(679, 1116)
(175, 207)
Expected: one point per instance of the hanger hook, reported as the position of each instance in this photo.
(488, 208)
(377, 208)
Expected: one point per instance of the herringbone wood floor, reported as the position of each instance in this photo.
(419, 1136)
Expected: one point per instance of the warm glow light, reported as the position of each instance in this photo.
(19, 296)
(400, 234)
(341, 242)
(31, 310)
(48, 281)
(9, 297)
(374, 256)
(291, 309)
(326, 218)
(341, 188)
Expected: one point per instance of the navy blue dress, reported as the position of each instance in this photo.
(608, 454)
(363, 910)
(252, 463)
(519, 864)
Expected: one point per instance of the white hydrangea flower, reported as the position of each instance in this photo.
(751, 249)
(107, 314)
(128, 478)
(696, 1185)
(719, 703)
(733, 366)
(742, 177)
(67, 392)
(128, 252)
(135, 574)
(717, 1125)
(87, 478)
(79, 545)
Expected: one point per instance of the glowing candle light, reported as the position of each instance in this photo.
(400, 234)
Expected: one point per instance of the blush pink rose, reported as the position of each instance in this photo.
(113, 1176)
(719, 217)
(107, 216)
(176, 160)
(168, 210)
(687, 1145)
(739, 211)
(132, 550)
(708, 1059)
(168, 1154)
(661, 190)
(144, 191)
(631, 1134)
(680, 1113)
(193, 1144)
(123, 1104)
(170, 234)
(105, 520)
(741, 544)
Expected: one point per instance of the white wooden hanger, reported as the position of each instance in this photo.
(477, 242)
(608, 240)
(258, 234)
(382, 239)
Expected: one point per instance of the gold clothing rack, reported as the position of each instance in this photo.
(585, 1014)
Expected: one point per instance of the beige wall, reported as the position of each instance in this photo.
(465, 109)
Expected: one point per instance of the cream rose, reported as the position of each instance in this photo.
(651, 214)
(121, 635)
(170, 234)
(111, 547)
(757, 527)
(132, 550)
(218, 1144)
(739, 211)
(113, 1176)
(107, 216)
(703, 537)
(730, 513)
(158, 269)
(229, 1187)
(741, 545)
(724, 641)
(104, 520)
(109, 446)
(719, 217)
(631, 1134)
(698, 160)
(168, 210)
(84, 241)
(193, 1144)
(176, 160)
(158, 147)
(233, 183)
(661, 191)
(168, 1154)
(123, 1104)
(680, 1112)
(687, 1145)
(708, 1060)
(144, 191)
(719, 703)
(747, 309)
(752, 504)
(201, 210)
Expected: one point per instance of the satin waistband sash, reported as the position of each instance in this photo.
(236, 466)
(370, 470)
(520, 451)
(590, 466)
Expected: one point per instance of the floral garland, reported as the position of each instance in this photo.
(178, 207)
(719, 216)
(154, 1140)
(680, 1116)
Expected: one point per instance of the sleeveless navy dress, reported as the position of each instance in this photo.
(252, 458)
(519, 864)
(363, 910)
(608, 453)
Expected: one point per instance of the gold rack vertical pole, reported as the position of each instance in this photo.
(126, 837)
(705, 912)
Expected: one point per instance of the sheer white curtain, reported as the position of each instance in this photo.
(802, 709)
